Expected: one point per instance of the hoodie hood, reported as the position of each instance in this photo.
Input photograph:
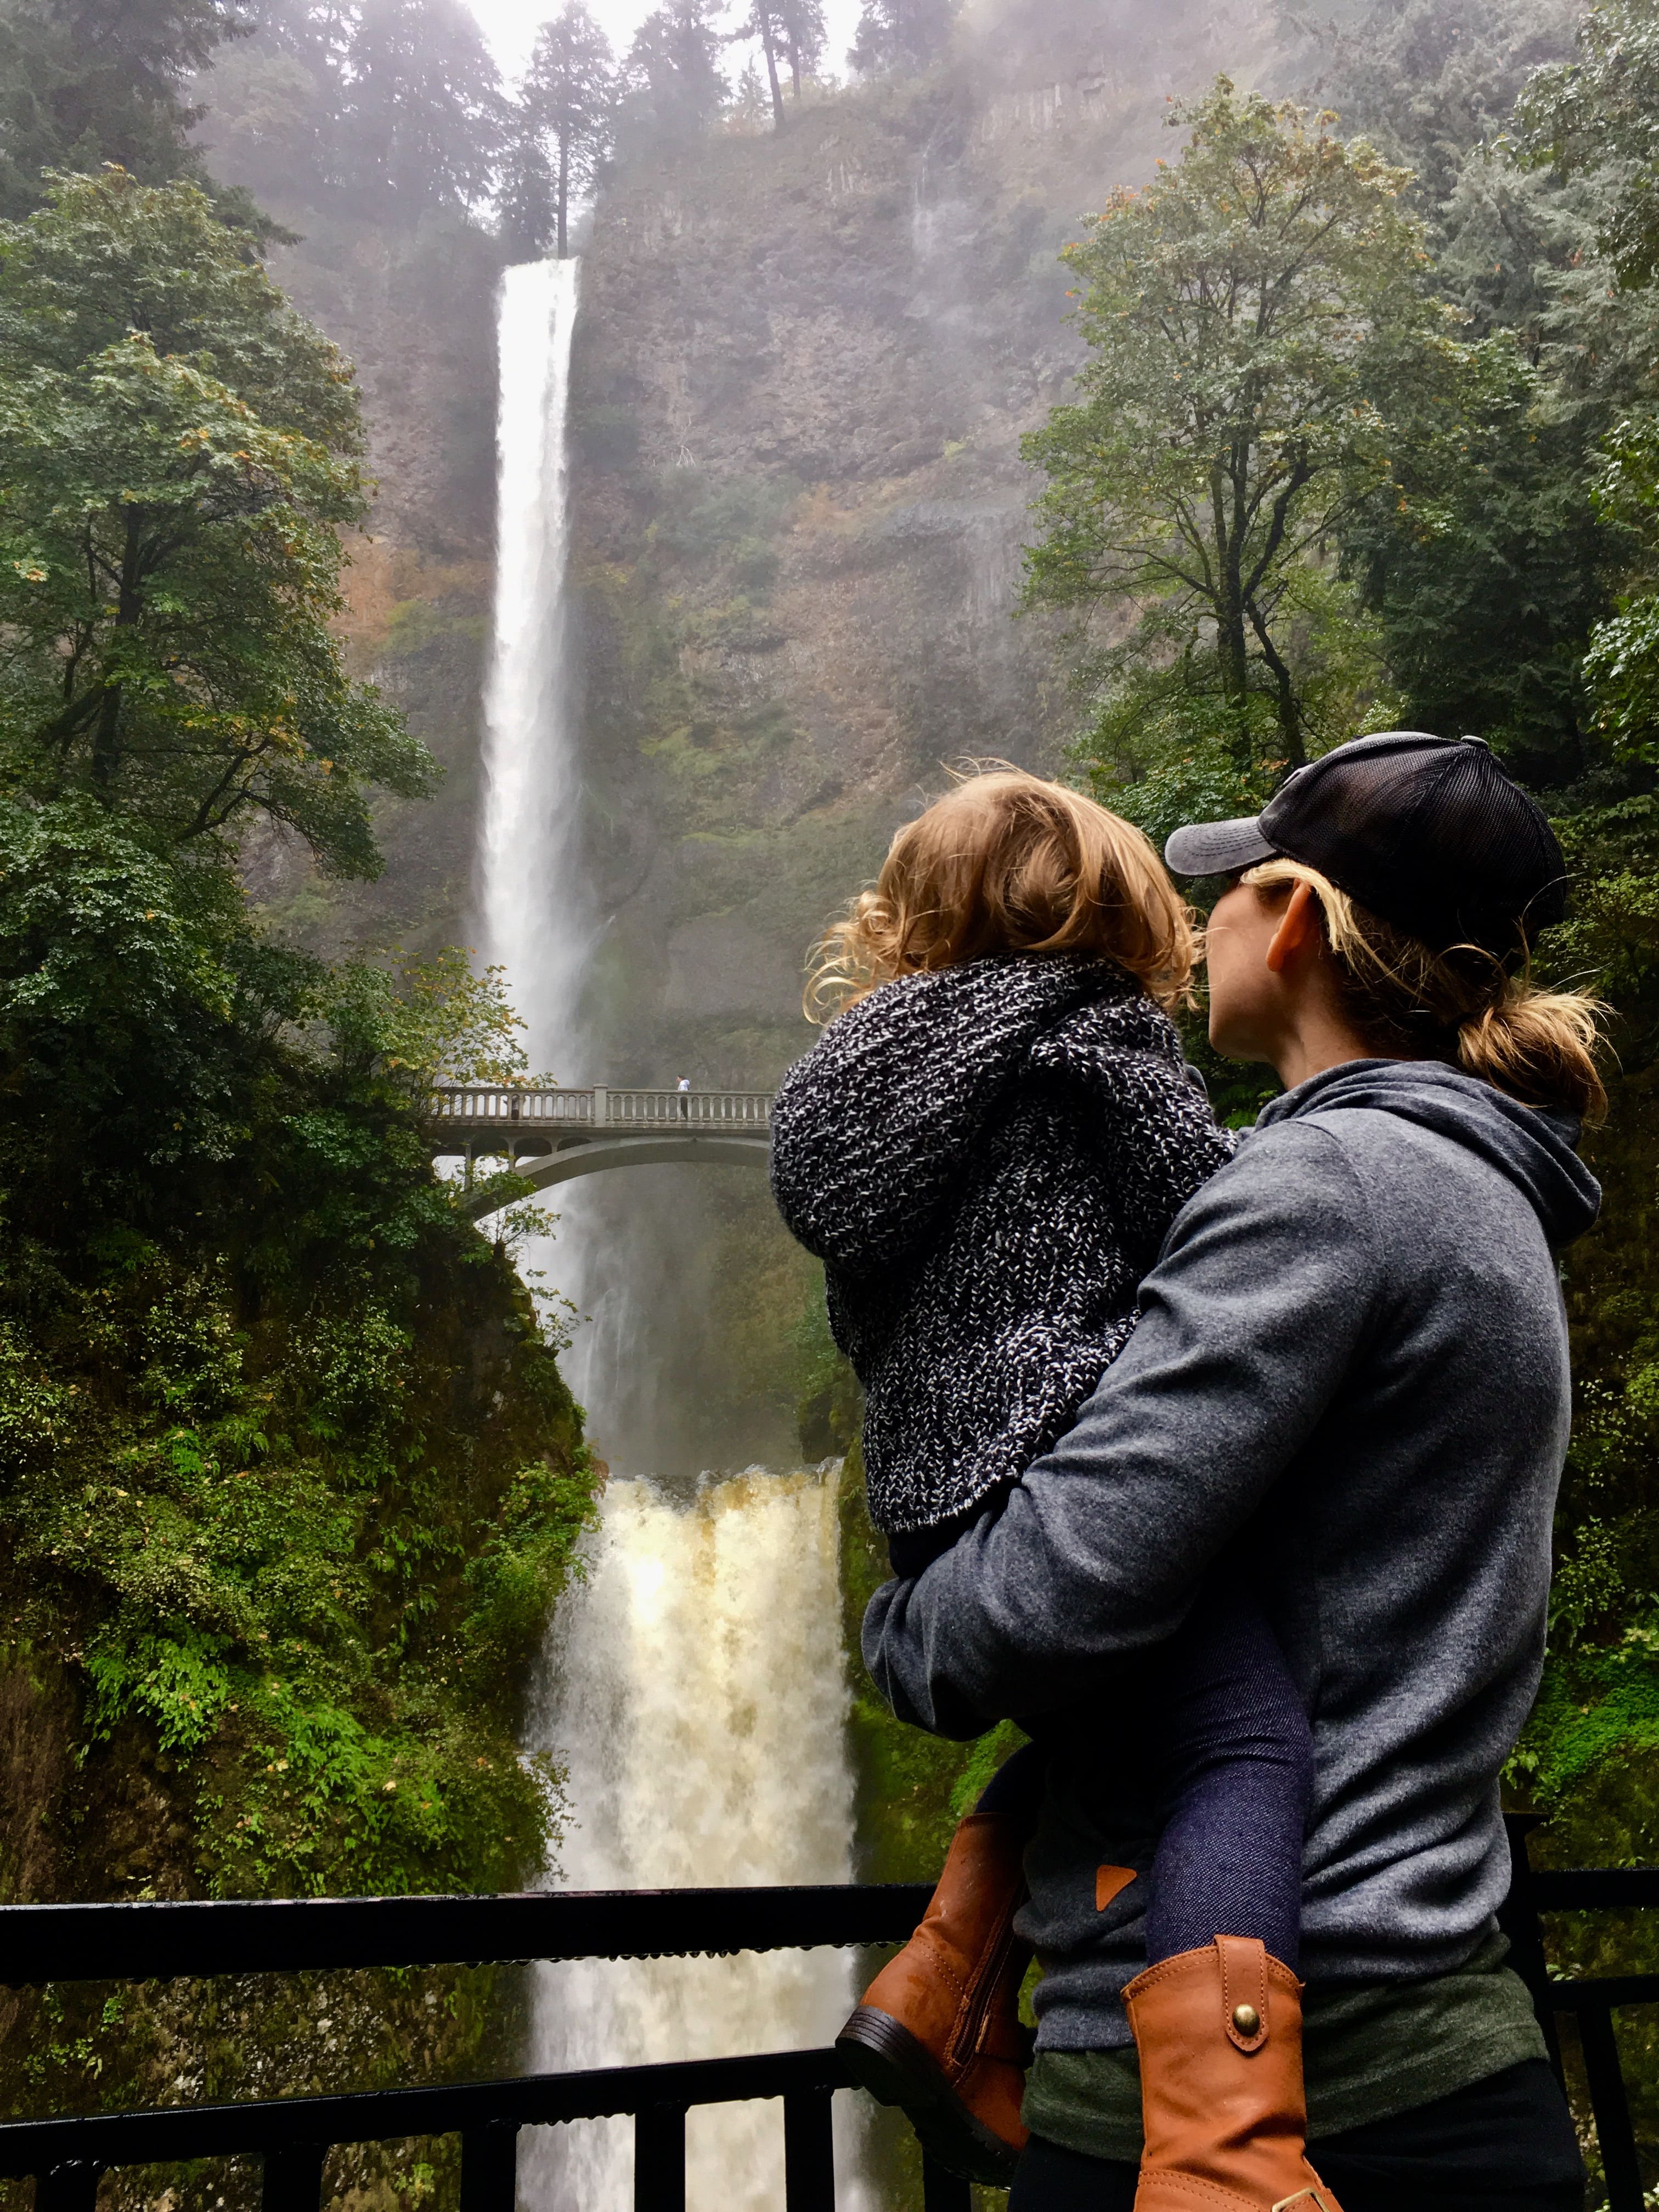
(1534, 1147)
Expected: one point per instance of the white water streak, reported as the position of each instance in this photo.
(535, 914)
(695, 1685)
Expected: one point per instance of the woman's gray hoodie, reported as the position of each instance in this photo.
(1353, 1357)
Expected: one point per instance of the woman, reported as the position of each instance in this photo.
(1349, 1390)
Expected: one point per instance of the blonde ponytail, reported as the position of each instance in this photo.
(1462, 1006)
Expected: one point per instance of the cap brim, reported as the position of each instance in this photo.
(1218, 848)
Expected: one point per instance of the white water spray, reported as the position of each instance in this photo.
(696, 1684)
(534, 913)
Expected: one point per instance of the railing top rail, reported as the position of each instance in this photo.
(145, 2138)
(164, 1941)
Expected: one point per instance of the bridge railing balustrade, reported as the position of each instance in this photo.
(292, 2136)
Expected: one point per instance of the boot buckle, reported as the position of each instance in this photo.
(1315, 2199)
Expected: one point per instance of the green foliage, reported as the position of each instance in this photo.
(673, 84)
(1485, 561)
(169, 560)
(290, 1479)
(901, 37)
(1248, 315)
(83, 81)
(1602, 109)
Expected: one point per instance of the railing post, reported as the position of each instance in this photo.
(490, 2167)
(809, 2153)
(942, 2192)
(601, 1105)
(293, 2178)
(660, 2159)
(1517, 1917)
(1615, 2136)
(67, 2188)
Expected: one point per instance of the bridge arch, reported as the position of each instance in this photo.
(553, 1136)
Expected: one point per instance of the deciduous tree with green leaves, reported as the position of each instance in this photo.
(179, 451)
(1251, 316)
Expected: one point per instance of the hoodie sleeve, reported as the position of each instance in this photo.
(1248, 1325)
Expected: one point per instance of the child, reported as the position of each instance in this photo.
(987, 1149)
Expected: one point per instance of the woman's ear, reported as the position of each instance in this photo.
(1299, 929)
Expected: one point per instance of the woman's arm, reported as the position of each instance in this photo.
(1250, 1322)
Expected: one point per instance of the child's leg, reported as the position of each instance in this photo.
(1236, 1782)
(1217, 2016)
(938, 2031)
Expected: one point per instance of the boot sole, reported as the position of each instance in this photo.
(887, 2061)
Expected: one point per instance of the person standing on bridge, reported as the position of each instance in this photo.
(683, 1090)
(987, 1149)
(1348, 1392)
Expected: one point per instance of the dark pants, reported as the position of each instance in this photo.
(1505, 2144)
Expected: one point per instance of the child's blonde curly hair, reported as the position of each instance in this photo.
(1007, 862)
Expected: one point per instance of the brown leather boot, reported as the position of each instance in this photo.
(1219, 2033)
(938, 2031)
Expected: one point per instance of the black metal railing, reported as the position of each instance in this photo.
(291, 2135)
(1590, 2001)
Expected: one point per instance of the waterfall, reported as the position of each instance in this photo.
(695, 1684)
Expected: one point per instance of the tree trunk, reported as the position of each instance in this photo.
(769, 44)
(790, 33)
(1285, 700)
(1231, 650)
(128, 607)
(564, 191)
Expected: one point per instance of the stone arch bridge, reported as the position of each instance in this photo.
(549, 1137)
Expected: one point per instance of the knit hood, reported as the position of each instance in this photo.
(914, 1073)
(1533, 1147)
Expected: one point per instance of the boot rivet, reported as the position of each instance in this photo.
(1246, 2019)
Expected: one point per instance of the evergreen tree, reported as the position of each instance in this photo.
(569, 105)
(901, 37)
(424, 120)
(804, 38)
(764, 22)
(674, 86)
(86, 82)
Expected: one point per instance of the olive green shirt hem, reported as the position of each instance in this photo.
(1368, 2053)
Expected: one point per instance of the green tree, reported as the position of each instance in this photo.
(764, 22)
(85, 82)
(901, 37)
(673, 87)
(569, 103)
(805, 35)
(1248, 315)
(1602, 111)
(178, 450)
(424, 120)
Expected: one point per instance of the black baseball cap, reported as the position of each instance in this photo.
(1428, 833)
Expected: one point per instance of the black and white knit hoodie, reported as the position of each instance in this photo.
(987, 1159)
